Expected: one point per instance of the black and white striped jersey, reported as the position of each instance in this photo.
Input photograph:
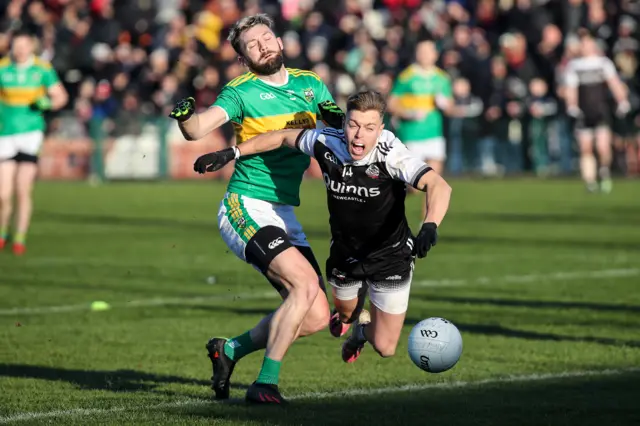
(365, 198)
(590, 75)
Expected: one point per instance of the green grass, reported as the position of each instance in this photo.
(540, 277)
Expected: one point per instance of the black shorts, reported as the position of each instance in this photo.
(269, 242)
(591, 120)
(388, 272)
(21, 157)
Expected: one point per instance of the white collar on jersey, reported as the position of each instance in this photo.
(286, 80)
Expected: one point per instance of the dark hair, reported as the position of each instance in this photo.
(245, 24)
(22, 33)
(367, 100)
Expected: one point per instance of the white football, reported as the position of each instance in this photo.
(435, 345)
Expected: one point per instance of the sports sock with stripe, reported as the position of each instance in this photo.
(239, 346)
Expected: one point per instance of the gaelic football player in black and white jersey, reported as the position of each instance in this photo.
(588, 80)
(365, 170)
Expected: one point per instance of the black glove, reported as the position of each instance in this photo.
(214, 161)
(427, 237)
(332, 115)
(184, 109)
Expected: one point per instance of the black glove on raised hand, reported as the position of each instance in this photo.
(184, 109)
(331, 113)
(427, 237)
(214, 161)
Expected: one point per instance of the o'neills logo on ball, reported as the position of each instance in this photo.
(373, 171)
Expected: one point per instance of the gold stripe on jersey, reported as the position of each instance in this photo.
(242, 79)
(234, 80)
(21, 95)
(42, 63)
(5, 62)
(251, 126)
(297, 73)
(411, 101)
(249, 232)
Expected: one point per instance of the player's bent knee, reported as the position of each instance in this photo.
(385, 348)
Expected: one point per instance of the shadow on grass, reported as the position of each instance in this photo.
(529, 241)
(616, 217)
(115, 381)
(602, 400)
(545, 304)
(498, 330)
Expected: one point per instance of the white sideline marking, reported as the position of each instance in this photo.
(194, 403)
(532, 278)
(518, 279)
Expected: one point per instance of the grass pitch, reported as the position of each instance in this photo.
(540, 277)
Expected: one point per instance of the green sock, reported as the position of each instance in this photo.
(4, 232)
(270, 372)
(239, 346)
(19, 238)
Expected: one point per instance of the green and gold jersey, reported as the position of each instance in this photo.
(255, 107)
(20, 87)
(416, 89)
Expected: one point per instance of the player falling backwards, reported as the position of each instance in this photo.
(256, 217)
(365, 170)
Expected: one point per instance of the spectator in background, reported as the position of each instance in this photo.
(420, 96)
(134, 44)
(541, 107)
(463, 129)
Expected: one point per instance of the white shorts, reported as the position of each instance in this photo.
(429, 149)
(26, 143)
(240, 217)
(392, 300)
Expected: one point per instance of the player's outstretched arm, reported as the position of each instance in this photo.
(195, 126)
(438, 197)
(262, 143)
(270, 141)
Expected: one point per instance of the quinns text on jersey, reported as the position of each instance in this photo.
(365, 197)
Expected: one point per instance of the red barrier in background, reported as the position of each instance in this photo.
(71, 159)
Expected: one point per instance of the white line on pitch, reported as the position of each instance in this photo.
(533, 278)
(522, 279)
(195, 403)
(139, 303)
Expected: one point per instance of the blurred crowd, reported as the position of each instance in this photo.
(123, 61)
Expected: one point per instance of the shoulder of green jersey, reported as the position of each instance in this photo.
(406, 74)
(442, 73)
(295, 72)
(5, 62)
(240, 80)
(42, 63)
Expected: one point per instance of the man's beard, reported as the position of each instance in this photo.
(270, 67)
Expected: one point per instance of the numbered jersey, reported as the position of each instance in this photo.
(255, 107)
(366, 200)
(20, 87)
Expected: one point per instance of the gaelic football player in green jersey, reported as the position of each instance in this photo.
(421, 93)
(28, 87)
(256, 217)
